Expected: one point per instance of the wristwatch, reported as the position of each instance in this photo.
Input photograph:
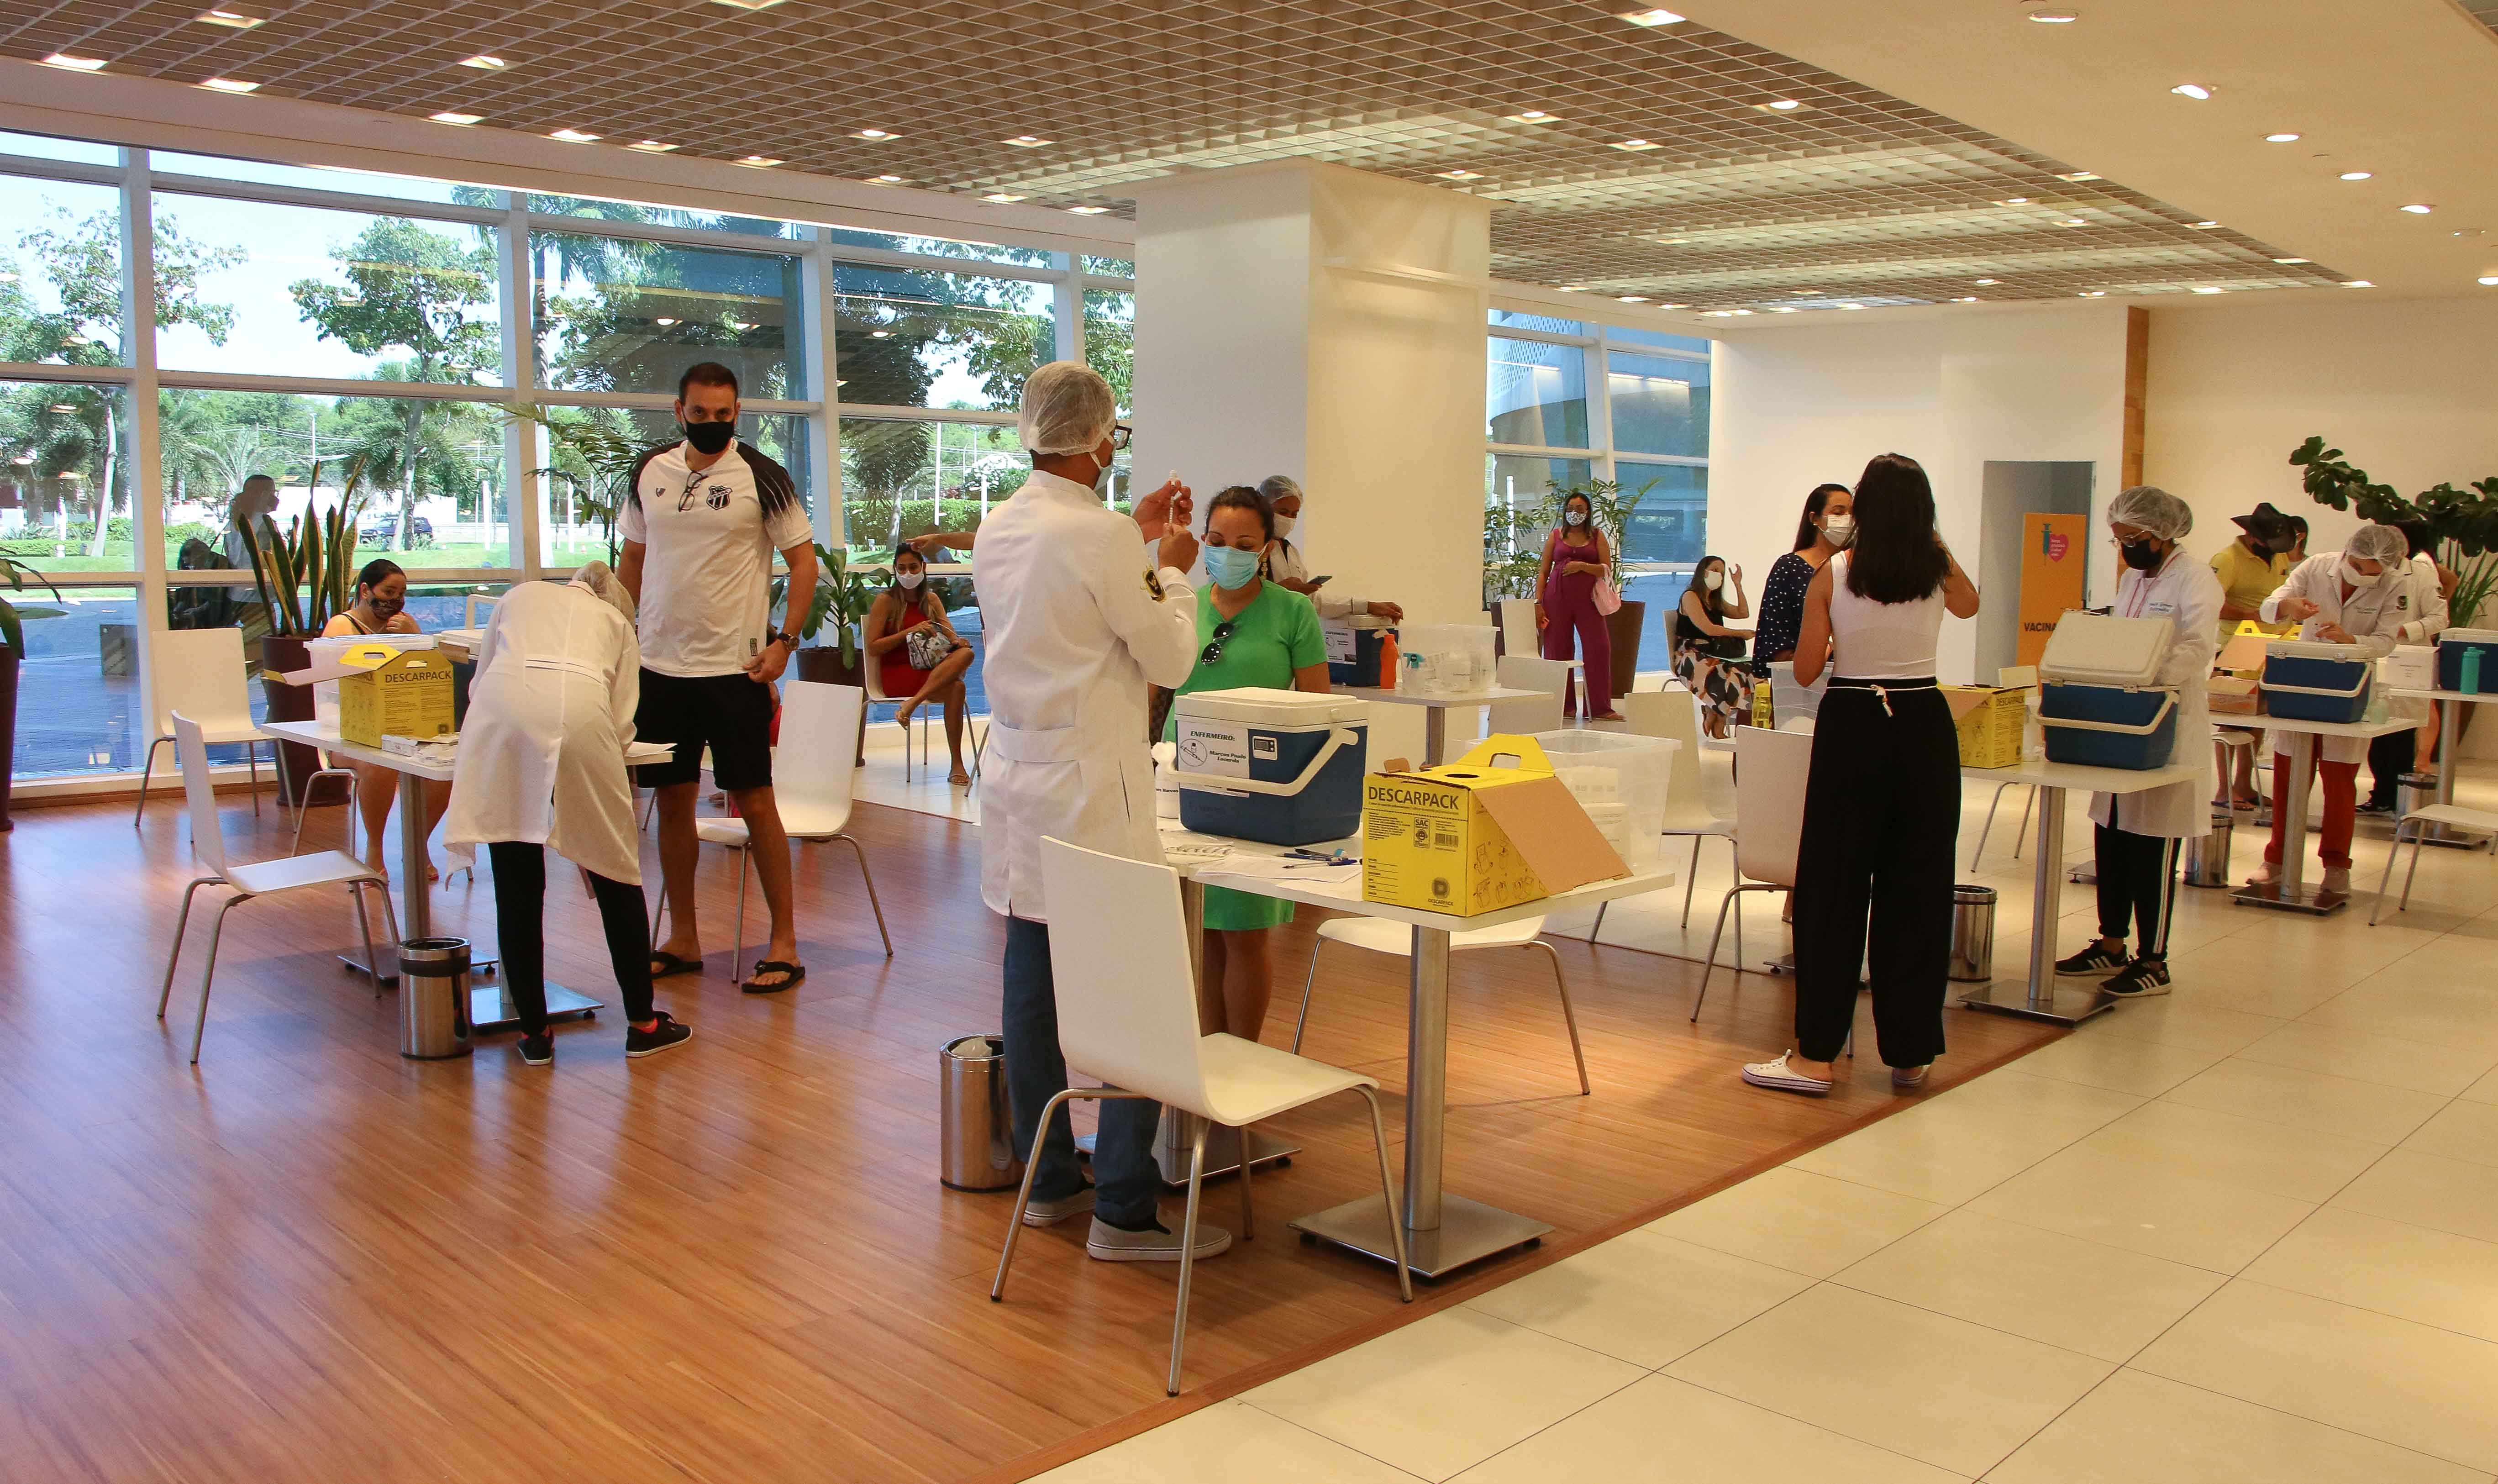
(790, 639)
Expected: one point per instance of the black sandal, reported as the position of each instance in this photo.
(664, 964)
(795, 973)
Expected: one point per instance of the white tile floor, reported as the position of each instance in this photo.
(2248, 1232)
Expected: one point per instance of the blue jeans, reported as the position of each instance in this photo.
(1123, 1156)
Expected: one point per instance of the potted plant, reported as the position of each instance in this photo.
(305, 573)
(13, 648)
(608, 453)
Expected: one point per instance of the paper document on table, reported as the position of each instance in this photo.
(639, 753)
(441, 749)
(1282, 868)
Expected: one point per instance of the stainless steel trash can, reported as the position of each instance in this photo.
(2413, 791)
(2207, 856)
(1972, 941)
(976, 1140)
(434, 998)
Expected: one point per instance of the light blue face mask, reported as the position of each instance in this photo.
(1231, 567)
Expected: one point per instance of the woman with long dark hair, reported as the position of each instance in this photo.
(1708, 656)
(1575, 559)
(1882, 808)
(1828, 524)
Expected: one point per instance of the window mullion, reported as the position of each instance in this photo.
(524, 511)
(144, 462)
(818, 312)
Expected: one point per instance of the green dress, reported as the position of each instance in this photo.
(1275, 635)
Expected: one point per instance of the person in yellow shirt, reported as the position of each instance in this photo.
(2250, 568)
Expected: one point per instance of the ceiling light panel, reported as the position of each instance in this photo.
(1859, 193)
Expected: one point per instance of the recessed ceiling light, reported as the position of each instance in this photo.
(1674, 307)
(1972, 299)
(223, 16)
(1739, 312)
(2014, 201)
(2072, 221)
(1531, 115)
(2357, 283)
(1630, 298)
(237, 86)
(2281, 138)
(2419, 208)
(1002, 198)
(1460, 175)
(1025, 142)
(2080, 175)
(876, 134)
(2094, 293)
(573, 136)
(484, 63)
(1988, 282)
(2202, 226)
(1779, 106)
(760, 161)
(1088, 210)
(663, 321)
(1572, 288)
(2054, 17)
(1852, 307)
(739, 324)
(2289, 260)
(880, 335)
(2486, 281)
(74, 63)
(1784, 308)
(1650, 17)
(449, 117)
(1635, 146)
(885, 180)
(2208, 290)
(2194, 90)
(651, 145)
(2355, 174)
(748, 5)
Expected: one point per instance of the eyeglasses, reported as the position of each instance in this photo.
(1121, 435)
(1214, 651)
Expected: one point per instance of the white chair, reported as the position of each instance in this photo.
(479, 607)
(1526, 716)
(199, 673)
(1691, 801)
(2417, 822)
(1126, 1013)
(922, 719)
(262, 878)
(812, 774)
(2009, 677)
(304, 800)
(1518, 633)
(1787, 698)
(1382, 936)
(1771, 771)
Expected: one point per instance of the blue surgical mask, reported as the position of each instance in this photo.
(1231, 567)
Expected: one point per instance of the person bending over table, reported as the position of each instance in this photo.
(542, 763)
(1881, 805)
(2135, 838)
(1252, 631)
(380, 610)
(920, 659)
(2362, 596)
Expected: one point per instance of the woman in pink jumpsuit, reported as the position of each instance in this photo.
(1575, 559)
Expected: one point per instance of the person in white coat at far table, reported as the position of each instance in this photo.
(1078, 621)
(1285, 568)
(2366, 595)
(541, 764)
(2136, 835)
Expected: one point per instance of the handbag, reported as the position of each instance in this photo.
(927, 647)
(1609, 597)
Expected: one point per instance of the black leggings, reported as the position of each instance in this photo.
(2390, 757)
(1881, 811)
(520, 922)
(2137, 888)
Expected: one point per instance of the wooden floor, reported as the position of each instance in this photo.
(310, 1260)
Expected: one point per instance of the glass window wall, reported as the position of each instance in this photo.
(615, 314)
(1536, 394)
(64, 477)
(912, 338)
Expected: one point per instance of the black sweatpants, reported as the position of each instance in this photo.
(2390, 757)
(520, 922)
(2137, 888)
(1882, 813)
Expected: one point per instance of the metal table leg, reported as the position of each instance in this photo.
(2039, 997)
(2289, 891)
(1442, 1232)
(1435, 735)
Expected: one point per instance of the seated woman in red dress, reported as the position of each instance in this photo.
(920, 658)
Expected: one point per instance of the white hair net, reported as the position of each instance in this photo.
(2152, 508)
(1067, 409)
(2378, 543)
(600, 581)
(1279, 487)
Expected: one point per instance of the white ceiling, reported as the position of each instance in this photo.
(1856, 195)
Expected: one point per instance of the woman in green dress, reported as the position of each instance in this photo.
(1253, 632)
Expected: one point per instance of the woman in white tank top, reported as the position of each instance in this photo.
(1881, 807)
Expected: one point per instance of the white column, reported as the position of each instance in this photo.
(141, 460)
(825, 374)
(523, 493)
(1324, 323)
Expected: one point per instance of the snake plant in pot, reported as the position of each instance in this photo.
(306, 573)
(12, 649)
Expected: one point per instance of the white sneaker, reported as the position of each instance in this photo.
(1777, 1076)
(1156, 1243)
(1040, 1213)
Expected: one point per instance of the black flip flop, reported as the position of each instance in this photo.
(670, 964)
(796, 972)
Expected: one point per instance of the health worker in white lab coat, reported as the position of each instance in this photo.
(2137, 837)
(1078, 621)
(541, 766)
(2366, 595)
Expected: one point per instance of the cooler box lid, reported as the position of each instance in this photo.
(1263, 706)
(1360, 620)
(2316, 649)
(2098, 649)
(2468, 636)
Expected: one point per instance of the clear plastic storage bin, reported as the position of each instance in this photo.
(1620, 779)
(1443, 658)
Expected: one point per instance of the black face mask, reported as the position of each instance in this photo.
(710, 438)
(2140, 555)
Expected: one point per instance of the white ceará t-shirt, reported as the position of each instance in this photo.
(708, 541)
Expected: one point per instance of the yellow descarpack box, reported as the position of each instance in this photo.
(394, 692)
(1491, 831)
(1990, 720)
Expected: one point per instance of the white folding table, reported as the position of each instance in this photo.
(1435, 718)
(2289, 891)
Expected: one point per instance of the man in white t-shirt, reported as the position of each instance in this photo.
(700, 522)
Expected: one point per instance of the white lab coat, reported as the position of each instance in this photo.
(542, 750)
(2184, 591)
(2373, 616)
(1286, 563)
(1077, 622)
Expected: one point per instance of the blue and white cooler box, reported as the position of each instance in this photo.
(2453, 644)
(2308, 680)
(1352, 649)
(1279, 766)
(2100, 702)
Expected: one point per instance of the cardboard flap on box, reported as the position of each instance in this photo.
(1552, 833)
(1964, 700)
(2246, 652)
(355, 660)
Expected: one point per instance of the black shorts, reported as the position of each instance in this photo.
(729, 714)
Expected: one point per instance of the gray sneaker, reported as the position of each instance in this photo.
(1040, 1213)
(1156, 1243)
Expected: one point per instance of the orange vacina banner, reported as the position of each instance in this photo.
(2052, 561)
